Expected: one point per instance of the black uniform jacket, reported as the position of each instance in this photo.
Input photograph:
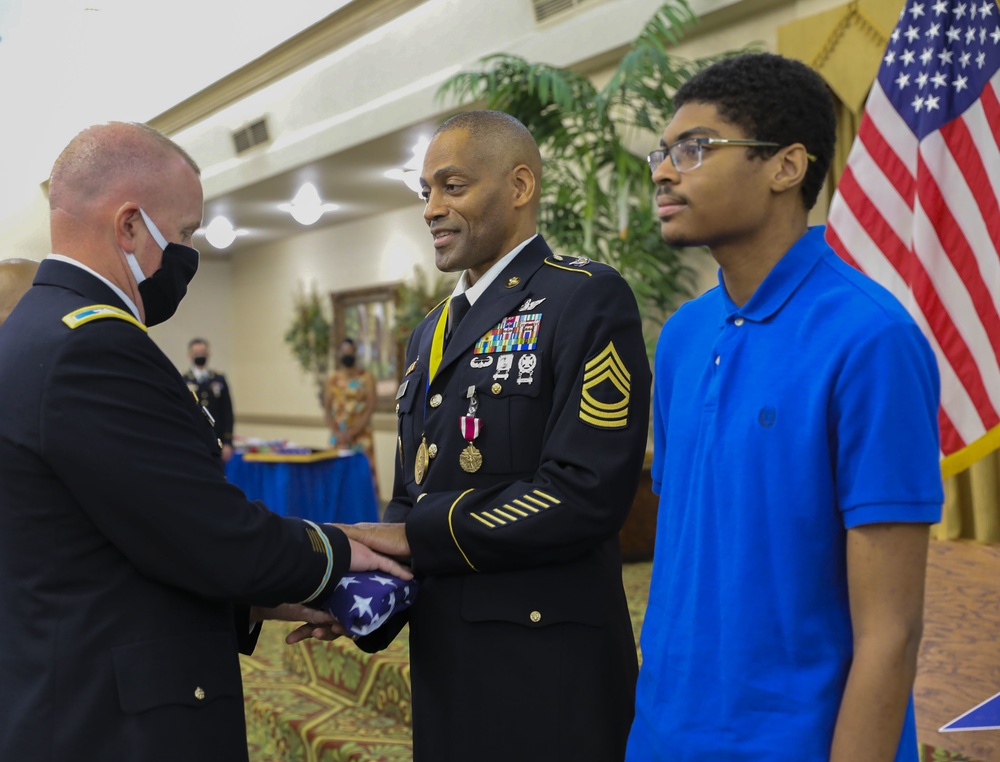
(521, 643)
(125, 555)
(213, 393)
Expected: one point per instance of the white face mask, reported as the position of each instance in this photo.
(153, 230)
(133, 263)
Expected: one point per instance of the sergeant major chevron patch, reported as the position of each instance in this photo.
(607, 387)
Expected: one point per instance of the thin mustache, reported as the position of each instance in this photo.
(670, 198)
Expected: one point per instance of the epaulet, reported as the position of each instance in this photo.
(84, 315)
(576, 265)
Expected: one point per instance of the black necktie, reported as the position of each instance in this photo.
(457, 308)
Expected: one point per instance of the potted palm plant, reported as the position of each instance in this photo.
(308, 337)
(597, 197)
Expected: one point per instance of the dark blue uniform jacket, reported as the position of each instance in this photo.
(126, 559)
(521, 643)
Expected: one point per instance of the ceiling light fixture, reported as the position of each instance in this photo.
(410, 173)
(220, 232)
(307, 207)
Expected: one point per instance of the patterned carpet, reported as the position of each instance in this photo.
(326, 702)
(331, 702)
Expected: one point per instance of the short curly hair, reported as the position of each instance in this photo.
(771, 98)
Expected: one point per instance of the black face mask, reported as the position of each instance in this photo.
(347, 360)
(201, 362)
(162, 291)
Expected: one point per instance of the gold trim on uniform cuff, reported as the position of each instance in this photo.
(329, 561)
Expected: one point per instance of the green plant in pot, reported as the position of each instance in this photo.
(417, 297)
(308, 337)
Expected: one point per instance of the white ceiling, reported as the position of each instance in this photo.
(67, 64)
(353, 179)
(88, 61)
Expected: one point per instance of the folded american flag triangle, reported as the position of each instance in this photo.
(364, 601)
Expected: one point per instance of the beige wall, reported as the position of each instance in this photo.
(25, 232)
(206, 312)
(266, 382)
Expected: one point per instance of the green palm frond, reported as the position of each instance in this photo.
(597, 195)
(308, 336)
(414, 300)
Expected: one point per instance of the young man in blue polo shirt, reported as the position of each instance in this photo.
(796, 453)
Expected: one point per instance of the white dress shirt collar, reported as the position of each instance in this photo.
(474, 292)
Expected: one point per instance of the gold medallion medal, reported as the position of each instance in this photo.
(420, 462)
(471, 460)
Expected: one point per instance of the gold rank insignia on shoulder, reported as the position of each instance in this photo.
(607, 388)
(85, 315)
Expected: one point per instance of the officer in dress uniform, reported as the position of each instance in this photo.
(128, 564)
(212, 390)
(522, 428)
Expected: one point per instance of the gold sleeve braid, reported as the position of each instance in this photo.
(320, 544)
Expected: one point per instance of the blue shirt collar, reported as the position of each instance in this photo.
(783, 279)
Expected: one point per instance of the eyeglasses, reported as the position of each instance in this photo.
(686, 154)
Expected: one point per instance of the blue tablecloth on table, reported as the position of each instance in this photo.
(334, 489)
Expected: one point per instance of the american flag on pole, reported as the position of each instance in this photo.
(917, 206)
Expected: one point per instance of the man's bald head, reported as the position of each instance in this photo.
(16, 276)
(102, 184)
(108, 159)
(501, 137)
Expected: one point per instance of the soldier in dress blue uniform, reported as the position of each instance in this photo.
(128, 564)
(522, 429)
(212, 390)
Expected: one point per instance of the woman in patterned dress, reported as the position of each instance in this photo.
(348, 404)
